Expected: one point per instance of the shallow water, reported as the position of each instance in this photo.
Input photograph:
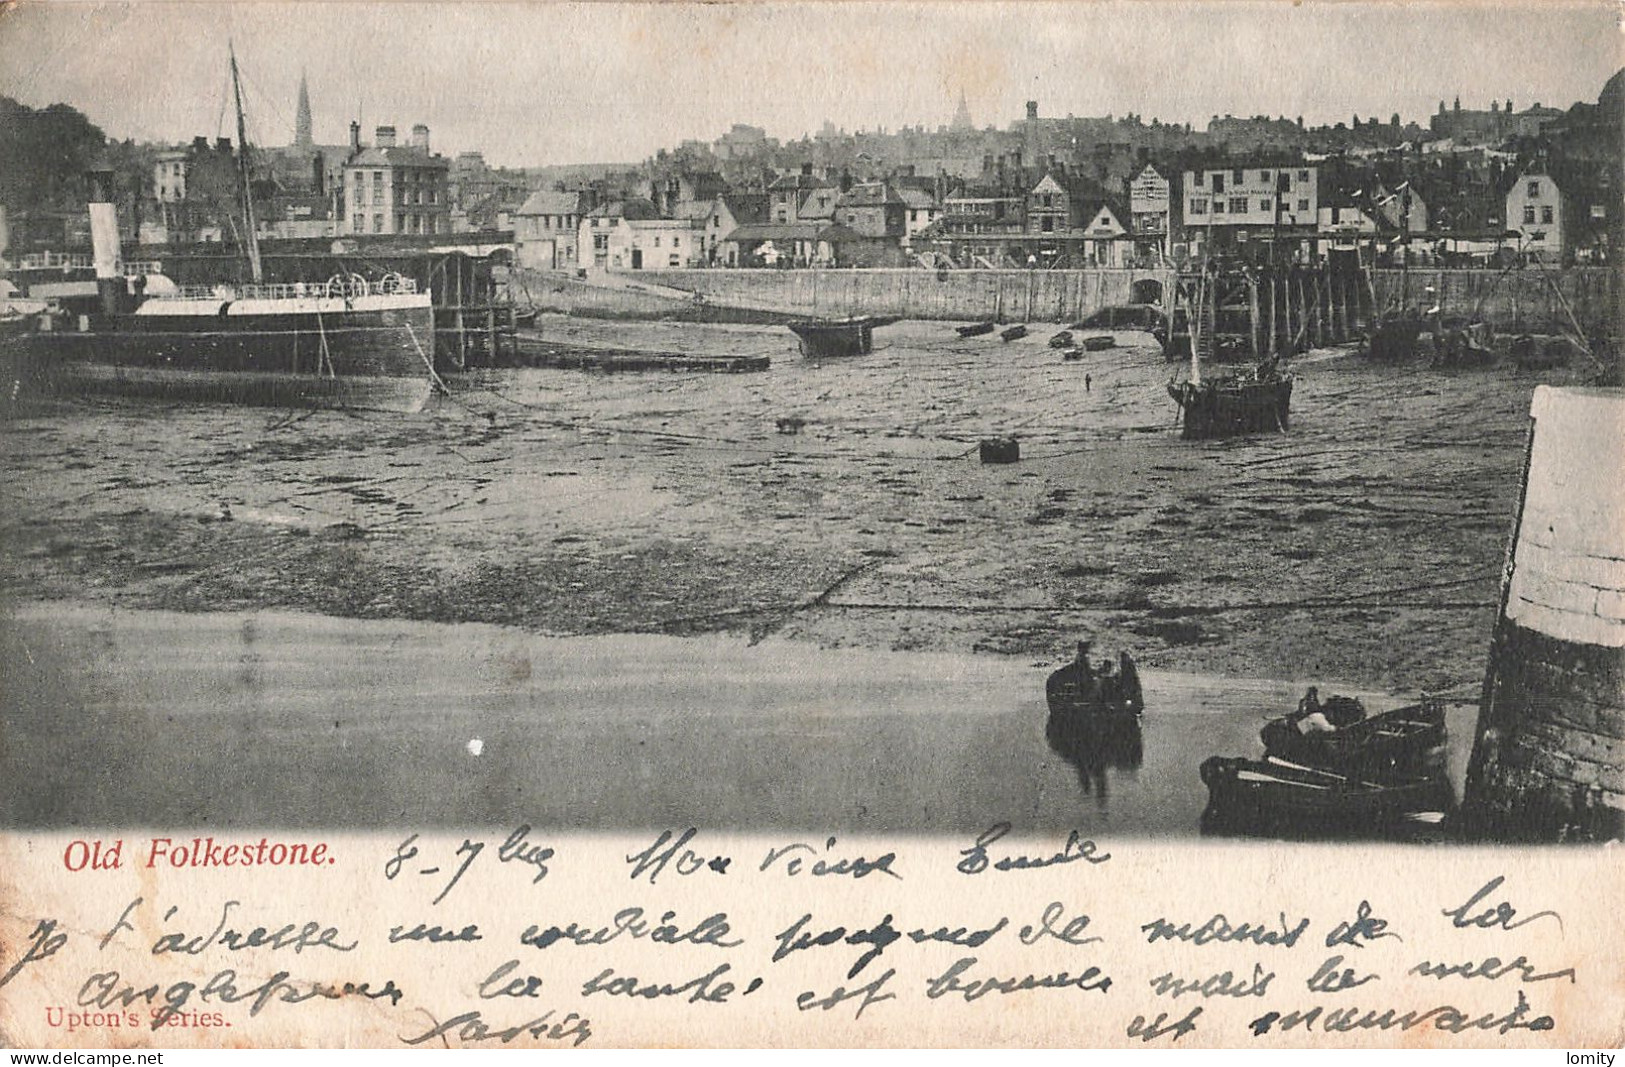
(114, 719)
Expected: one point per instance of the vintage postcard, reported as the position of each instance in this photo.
(812, 524)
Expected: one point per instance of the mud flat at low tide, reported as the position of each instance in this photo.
(1362, 545)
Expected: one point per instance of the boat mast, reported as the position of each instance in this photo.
(1405, 241)
(253, 241)
(1193, 316)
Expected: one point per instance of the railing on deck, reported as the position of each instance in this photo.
(345, 286)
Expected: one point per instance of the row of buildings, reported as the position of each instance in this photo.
(1047, 192)
(1049, 216)
(1475, 187)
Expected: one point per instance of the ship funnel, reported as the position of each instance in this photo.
(104, 240)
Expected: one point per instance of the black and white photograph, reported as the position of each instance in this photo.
(1189, 424)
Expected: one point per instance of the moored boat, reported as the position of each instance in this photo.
(835, 337)
(1394, 336)
(1275, 796)
(1234, 406)
(1099, 342)
(1061, 340)
(349, 342)
(1014, 333)
(1406, 743)
(1230, 406)
(975, 329)
(1081, 688)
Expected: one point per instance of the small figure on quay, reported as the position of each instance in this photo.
(1088, 382)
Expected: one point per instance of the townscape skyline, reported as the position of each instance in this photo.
(646, 77)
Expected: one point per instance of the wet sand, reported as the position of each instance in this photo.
(1361, 547)
(226, 721)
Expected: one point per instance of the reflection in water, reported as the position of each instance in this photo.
(1095, 743)
(285, 720)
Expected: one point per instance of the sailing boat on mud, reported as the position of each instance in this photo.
(349, 342)
(1259, 401)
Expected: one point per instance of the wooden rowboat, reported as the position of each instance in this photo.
(1403, 744)
(1276, 796)
(1083, 689)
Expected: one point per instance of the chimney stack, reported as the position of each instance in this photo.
(104, 240)
(384, 137)
(420, 138)
(355, 136)
(1032, 111)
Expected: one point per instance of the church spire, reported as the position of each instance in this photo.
(302, 136)
(962, 115)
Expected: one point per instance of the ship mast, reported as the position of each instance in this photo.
(253, 243)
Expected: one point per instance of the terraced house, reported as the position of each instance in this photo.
(390, 188)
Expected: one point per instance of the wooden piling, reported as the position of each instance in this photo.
(1341, 306)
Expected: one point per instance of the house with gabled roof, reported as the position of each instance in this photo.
(921, 208)
(792, 196)
(604, 239)
(873, 209)
(1565, 213)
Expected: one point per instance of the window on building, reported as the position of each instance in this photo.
(1303, 204)
(1218, 183)
(1199, 180)
(1534, 190)
(677, 242)
(1598, 211)
(1546, 213)
(675, 260)
(360, 193)
(358, 223)
(1238, 175)
(1238, 205)
(1529, 213)
(1265, 205)
(400, 222)
(1263, 175)
(1218, 206)
(378, 223)
(657, 240)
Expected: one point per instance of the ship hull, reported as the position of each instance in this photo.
(846, 337)
(366, 353)
(1233, 409)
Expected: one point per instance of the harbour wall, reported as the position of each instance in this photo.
(1549, 759)
(1534, 300)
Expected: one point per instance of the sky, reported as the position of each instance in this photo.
(545, 83)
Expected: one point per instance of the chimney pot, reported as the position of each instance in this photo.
(384, 137)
